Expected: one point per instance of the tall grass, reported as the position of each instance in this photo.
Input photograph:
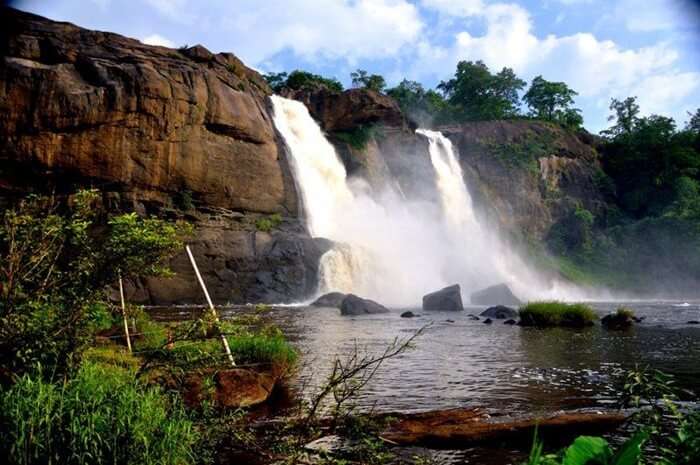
(101, 416)
(553, 313)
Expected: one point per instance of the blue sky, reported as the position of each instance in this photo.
(602, 49)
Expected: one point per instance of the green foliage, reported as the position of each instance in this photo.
(626, 116)
(552, 101)
(266, 347)
(56, 259)
(101, 416)
(591, 450)
(267, 224)
(361, 79)
(426, 107)
(301, 80)
(476, 94)
(358, 137)
(183, 199)
(553, 313)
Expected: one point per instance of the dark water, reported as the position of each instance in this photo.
(508, 368)
(499, 367)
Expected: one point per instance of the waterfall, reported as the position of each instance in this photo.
(389, 248)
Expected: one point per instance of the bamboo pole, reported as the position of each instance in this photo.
(126, 324)
(227, 349)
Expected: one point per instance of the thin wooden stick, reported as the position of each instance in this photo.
(227, 349)
(126, 325)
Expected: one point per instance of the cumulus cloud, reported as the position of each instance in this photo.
(155, 39)
(597, 69)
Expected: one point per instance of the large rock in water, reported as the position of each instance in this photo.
(500, 312)
(354, 305)
(332, 300)
(500, 294)
(449, 299)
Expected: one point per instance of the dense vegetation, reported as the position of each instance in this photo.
(69, 391)
(648, 233)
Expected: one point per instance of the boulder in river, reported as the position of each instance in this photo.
(500, 294)
(622, 319)
(500, 312)
(331, 300)
(510, 322)
(488, 321)
(694, 322)
(354, 305)
(449, 298)
(240, 387)
(408, 314)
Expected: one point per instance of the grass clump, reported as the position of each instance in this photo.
(102, 415)
(554, 313)
(358, 137)
(263, 348)
(267, 224)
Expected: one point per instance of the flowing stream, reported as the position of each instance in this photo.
(395, 250)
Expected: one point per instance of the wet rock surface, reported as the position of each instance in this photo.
(500, 312)
(332, 300)
(500, 294)
(447, 299)
(354, 305)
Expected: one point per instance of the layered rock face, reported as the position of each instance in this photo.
(527, 175)
(157, 130)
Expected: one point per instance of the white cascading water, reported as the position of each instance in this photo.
(391, 249)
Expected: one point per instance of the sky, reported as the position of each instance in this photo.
(602, 48)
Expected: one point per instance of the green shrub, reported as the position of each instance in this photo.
(56, 260)
(267, 224)
(553, 313)
(101, 416)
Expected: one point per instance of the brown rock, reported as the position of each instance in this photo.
(458, 428)
(242, 388)
(345, 111)
(97, 105)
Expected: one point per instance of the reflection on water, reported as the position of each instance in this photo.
(507, 368)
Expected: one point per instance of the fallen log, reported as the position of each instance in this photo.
(459, 428)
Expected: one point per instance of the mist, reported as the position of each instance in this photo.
(396, 249)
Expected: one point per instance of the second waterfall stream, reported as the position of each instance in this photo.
(391, 249)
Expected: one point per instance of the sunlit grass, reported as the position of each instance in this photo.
(554, 313)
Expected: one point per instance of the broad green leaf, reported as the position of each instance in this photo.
(631, 450)
(588, 450)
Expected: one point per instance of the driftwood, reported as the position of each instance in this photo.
(458, 428)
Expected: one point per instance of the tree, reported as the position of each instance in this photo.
(301, 80)
(626, 117)
(424, 106)
(361, 79)
(476, 94)
(56, 259)
(693, 124)
(549, 100)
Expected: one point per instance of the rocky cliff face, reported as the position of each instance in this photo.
(156, 129)
(527, 175)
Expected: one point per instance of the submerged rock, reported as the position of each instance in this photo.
(618, 321)
(408, 314)
(500, 312)
(510, 322)
(332, 300)
(500, 294)
(354, 305)
(488, 321)
(694, 322)
(449, 298)
(474, 318)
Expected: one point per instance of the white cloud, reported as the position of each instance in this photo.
(656, 15)
(155, 39)
(312, 29)
(597, 69)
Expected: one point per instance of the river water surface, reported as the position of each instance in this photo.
(459, 362)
